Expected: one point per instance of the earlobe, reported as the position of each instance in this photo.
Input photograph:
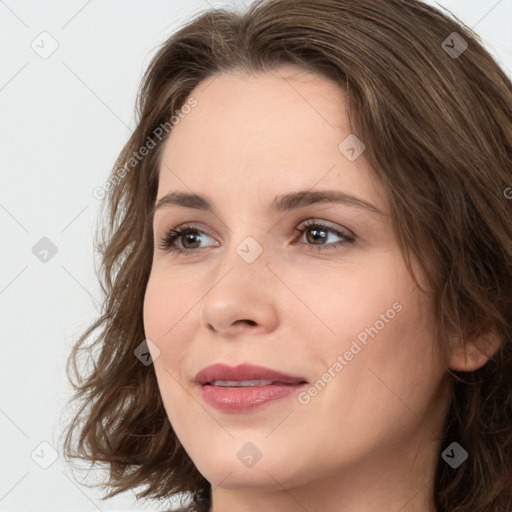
(473, 354)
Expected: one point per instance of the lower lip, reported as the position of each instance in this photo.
(248, 398)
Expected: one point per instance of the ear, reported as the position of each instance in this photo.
(473, 354)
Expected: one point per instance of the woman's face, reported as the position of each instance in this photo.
(333, 306)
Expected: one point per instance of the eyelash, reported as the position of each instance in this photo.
(166, 243)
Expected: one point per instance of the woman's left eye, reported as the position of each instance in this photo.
(189, 237)
(319, 232)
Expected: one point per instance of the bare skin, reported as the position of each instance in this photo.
(368, 441)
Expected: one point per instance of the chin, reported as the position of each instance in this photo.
(224, 468)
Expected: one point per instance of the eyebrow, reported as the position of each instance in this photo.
(285, 202)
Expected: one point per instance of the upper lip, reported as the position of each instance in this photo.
(221, 371)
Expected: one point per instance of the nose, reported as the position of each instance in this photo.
(242, 300)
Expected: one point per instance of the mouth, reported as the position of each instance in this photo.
(244, 375)
(245, 383)
(245, 387)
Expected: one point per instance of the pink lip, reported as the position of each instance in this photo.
(245, 399)
(244, 371)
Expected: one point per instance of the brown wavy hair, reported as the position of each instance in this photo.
(438, 131)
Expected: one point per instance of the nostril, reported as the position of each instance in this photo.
(250, 322)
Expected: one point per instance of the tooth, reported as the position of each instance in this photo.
(241, 383)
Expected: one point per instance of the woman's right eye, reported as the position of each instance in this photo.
(187, 235)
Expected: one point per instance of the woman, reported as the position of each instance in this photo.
(308, 268)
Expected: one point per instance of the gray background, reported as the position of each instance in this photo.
(63, 121)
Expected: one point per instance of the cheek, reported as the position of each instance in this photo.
(152, 312)
(389, 369)
(165, 324)
(156, 322)
(375, 319)
(169, 310)
(340, 301)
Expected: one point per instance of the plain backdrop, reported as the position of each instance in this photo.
(63, 120)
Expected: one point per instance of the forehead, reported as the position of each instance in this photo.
(265, 133)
